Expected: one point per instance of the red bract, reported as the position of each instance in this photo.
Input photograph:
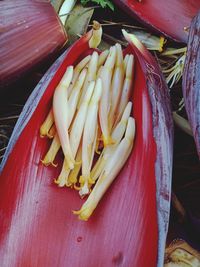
(172, 17)
(37, 227)
(30, 33)
(191, 82)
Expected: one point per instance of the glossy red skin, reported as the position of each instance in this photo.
(166, 16)
(37, 227)
(30, 33)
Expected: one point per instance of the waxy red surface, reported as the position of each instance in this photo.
(37, 227)
(171, 17)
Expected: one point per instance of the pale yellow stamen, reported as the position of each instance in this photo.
(47, 124)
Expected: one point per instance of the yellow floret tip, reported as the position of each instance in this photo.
(107, 140)
(73, 179)
(161, 43)
(47, 163)
(83, 214)
(81, 179)
(50, 136)
(56, 181)
(77, 187)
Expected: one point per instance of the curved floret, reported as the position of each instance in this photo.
(111, 170)
(61, 115)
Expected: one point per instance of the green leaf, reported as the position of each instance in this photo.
(102, 3)
(77, 22)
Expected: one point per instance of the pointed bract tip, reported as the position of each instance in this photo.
(131, 38)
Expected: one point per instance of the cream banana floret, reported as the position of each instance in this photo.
(107, 152)
(73, 100)
(111, 169)
(126, 61)
(102, 58)
(47, 124)
(45, 128)
(89, 137)
(75, 134)
(52, 131)
(151, 41)
(96, 35)
(106, 76)
(74, 174)
(117, 84)
(126, 90)
(77, 70)
(61, 115)
(91, 74)
(52, 152)
(75, 94)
